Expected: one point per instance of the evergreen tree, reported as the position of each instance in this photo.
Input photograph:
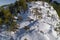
(23, 4)
(0, 21)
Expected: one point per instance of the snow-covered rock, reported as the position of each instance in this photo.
(44, 21)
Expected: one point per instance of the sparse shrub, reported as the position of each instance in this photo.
(25, 39)
(20, 18)
(26, 27)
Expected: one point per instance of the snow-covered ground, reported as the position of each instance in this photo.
(40, 21)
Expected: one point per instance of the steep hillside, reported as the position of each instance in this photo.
(38, 22)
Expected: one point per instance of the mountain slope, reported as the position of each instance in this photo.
(38, 23)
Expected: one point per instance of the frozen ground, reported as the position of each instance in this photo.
(41, 19)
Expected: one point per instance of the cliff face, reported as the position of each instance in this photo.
(38, 23)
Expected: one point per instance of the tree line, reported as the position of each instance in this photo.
(7, 14)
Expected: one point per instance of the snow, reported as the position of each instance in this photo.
(44, 27)
(26, 37)
(15, 17)
(12, 32)
(41, 28)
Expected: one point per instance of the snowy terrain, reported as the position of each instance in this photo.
(40, 19)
